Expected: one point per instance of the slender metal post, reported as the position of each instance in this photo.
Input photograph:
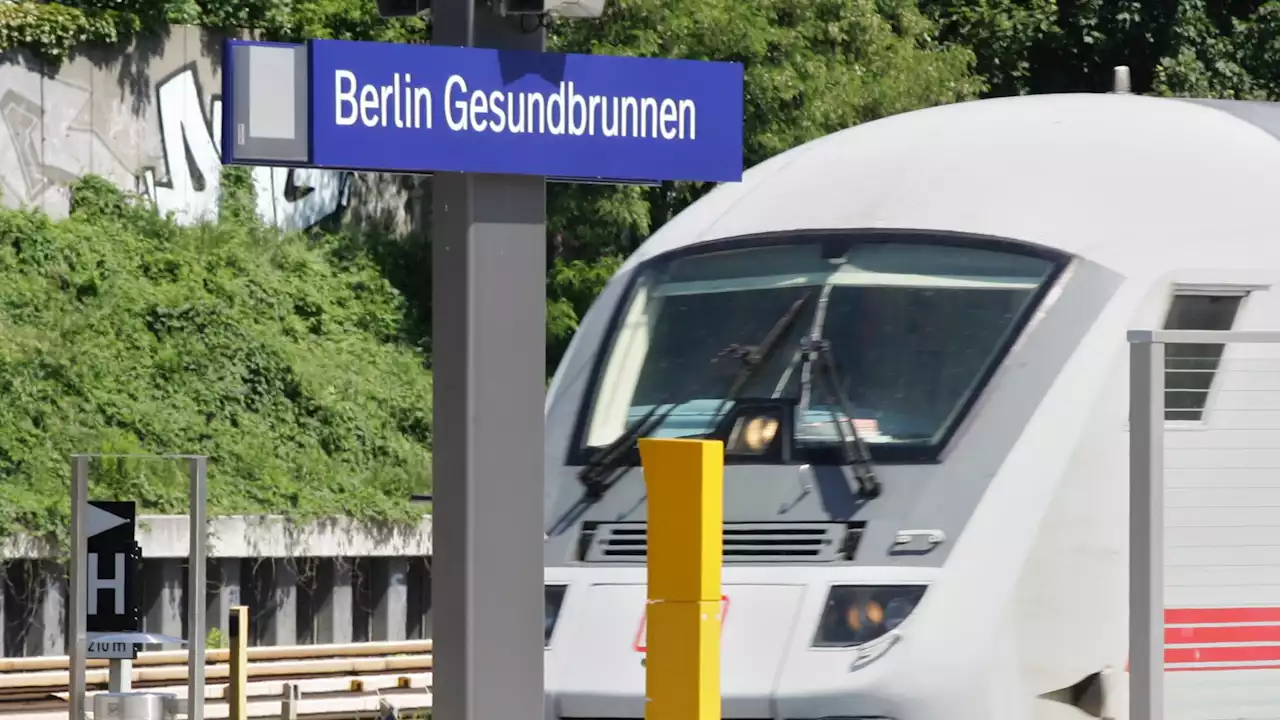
(119, 675)
(488, 239)
(77, 619)
(1146, 529)
(196, 590)
(1120, 80)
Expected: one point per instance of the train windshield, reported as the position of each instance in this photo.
(914, 329)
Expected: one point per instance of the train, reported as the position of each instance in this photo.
(911, 336)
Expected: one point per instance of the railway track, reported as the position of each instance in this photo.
(339, 681)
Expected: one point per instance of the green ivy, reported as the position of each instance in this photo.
(51, 31)
(283, 357)
(54, 30)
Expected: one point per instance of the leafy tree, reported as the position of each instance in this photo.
(812, 67)
(280, 357)
(1183, 48)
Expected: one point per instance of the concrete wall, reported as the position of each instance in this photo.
(145, 117)
(241, 536)
(332, 581)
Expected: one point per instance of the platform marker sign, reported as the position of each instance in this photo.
(111, 569)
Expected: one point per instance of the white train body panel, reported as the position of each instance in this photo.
(1132, 200)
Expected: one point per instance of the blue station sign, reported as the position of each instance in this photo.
(418, 108)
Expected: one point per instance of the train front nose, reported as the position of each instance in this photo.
(600, 671)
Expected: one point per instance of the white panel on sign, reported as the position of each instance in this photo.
(110, 649)
(101, 521)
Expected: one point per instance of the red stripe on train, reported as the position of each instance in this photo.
(1221, 626)
(1209, 616)
(1220, 634)
(1224, 654)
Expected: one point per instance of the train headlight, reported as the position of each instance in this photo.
(554, 597)
(760, 432)
(858, 614)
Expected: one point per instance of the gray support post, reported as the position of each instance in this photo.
(336, 621)
(428, 612)
(77, 619)
(45, 636)
(488, 240)
(420, 598)
(226, 596)
(1146, 529)
(53, 610)
(199, 524)
(283, 627)
(165, 591)
(391, 615)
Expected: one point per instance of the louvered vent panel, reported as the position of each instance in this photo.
(743, 542)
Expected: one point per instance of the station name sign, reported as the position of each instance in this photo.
(417, 108)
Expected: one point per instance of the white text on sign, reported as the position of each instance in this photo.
(115, 583)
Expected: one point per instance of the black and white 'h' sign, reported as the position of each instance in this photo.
(111, 568)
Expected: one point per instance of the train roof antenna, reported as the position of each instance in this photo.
(1120, 80)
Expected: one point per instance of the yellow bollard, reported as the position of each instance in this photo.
(238, 632)
(685, 483)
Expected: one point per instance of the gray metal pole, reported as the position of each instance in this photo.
(196, 590)
(78, 618)
(1146, 530)
(488, 239)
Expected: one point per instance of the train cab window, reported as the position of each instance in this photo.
(913, 328)
(1190, 369)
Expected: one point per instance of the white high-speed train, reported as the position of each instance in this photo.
(911, 336)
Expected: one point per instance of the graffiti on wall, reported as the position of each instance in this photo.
(163, 142)
(31, 169)
(289, 198)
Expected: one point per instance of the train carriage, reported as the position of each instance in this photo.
(911, 336)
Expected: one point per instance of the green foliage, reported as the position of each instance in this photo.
(572, 287)
(53, 30)
(237, 204)
(279, 357)
(1183, 48)
(215, 639)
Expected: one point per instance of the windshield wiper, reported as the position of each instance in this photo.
(820, 362)
(596, 475)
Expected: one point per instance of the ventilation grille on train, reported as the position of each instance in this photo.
(814, 542)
